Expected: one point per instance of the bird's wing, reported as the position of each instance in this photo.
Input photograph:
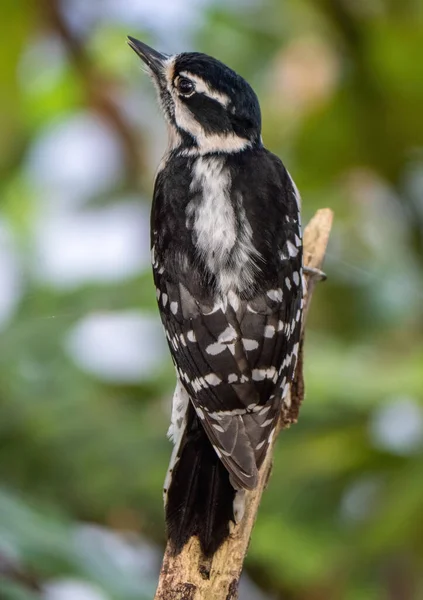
(236, 359)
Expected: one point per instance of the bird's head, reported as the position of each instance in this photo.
(208, 107)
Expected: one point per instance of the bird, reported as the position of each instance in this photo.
(227, 259)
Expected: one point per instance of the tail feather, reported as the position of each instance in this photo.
(200, 498)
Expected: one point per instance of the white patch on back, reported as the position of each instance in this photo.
(218, 239)
(214, 218)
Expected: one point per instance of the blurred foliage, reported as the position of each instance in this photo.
(341, 92)
(49, 547)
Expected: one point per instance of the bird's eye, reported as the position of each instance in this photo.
(185, 86)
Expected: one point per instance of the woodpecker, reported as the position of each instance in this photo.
(226, 248)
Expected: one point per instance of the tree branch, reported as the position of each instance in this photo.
(190, 576)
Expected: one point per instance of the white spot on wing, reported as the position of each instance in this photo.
(228, 335)
(218, 452)
(191, 336)
(269, 331)
(292, 250)
(228, 413)
(250, 344)
(218, 427)
(296, 277)
(275, 295)
(212, 379)
(216, 348)
(260, 374)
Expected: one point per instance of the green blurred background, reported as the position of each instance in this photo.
(85, 378)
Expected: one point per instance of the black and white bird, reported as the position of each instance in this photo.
(226, 250)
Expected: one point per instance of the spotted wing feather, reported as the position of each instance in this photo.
(236, 362)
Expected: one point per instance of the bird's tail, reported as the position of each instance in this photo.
(200, 498)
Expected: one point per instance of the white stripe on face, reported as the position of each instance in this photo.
(185, 120)
(202, 87)
(224, 142)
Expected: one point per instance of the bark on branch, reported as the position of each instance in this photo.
(189, 576)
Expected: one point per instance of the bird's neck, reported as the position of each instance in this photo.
(184, 144)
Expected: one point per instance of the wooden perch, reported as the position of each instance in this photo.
(189, 576)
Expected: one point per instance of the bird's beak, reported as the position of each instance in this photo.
(153, 59)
